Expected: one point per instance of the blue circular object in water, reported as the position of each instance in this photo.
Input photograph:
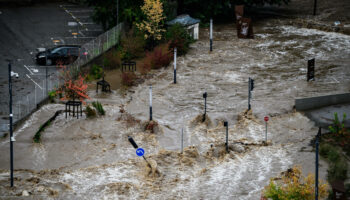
(140, 152)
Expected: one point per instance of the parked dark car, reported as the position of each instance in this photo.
(58, 55)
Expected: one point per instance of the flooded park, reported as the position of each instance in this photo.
(93, 159)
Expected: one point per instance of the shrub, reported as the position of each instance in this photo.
(294, 186)
(52, 95)
(96, 72)
(112, 59)
(128, 78)
(98, 107)
(133, 45)
(337, 171)
(338, 127)
(333, 155)
(178, 37)
(90, 112)
(324, 149)
(338, 166)
(158, 58)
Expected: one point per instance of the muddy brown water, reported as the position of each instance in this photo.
(92, 159)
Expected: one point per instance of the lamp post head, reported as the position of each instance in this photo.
(205, 95)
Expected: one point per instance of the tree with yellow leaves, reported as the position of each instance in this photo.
(294, 186)
(152, 26)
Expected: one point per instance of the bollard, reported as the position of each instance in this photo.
(211, 35)
(205, 105)
(315, 6)
(249, 94)
(310, 70)
(182, 140)
(150, 103)
(250, 88)
(175, 51)
(226, 125)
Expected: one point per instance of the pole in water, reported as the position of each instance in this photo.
(315, 6)
(226, 125)
(150, 103)
(11, 132)
(133, 143)
(205, 105)
(249, 94)
(211, 35)
(316, 173)
(266, 119)
(175, 52)
(266, 132)
(182, 140)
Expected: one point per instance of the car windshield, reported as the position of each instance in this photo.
(55, 50)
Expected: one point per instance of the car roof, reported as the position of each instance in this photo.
(60, 46)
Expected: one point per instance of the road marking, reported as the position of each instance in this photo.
(93, 30)
(83, 16)
(335, 80)
(88, 23)
(72, 23)
(67, 5)
(28, 69)
(81, 33)
(80, 37)
(34, 81)
(77, 11)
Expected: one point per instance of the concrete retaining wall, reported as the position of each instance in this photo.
(322, 101)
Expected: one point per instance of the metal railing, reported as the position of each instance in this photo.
(97, 46)
(29, 103)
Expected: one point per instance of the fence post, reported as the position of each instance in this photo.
(107, 41)
(35, 95)
(43, 89)
(28, 105)
(47, 91)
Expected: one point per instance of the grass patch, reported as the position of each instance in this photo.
(37, 136)
(98, 107)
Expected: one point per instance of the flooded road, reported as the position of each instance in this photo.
(92, 159)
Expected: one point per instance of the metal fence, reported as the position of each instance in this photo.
(44, 83)
(97, 46)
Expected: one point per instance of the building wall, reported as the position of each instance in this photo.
(322, 101)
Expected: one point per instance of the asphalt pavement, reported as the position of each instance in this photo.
(24, 30)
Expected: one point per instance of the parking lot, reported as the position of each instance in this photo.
(24, 30)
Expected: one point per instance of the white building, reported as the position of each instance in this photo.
(191, 24)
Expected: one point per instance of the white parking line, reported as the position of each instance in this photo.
(77, 11)
(68, 5)
(84, 16)
(81, 33)
(79, 37)
(34, 82)
(88, 23)
(30, 71)
(93, 30)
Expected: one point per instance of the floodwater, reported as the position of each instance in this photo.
(92, 158)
